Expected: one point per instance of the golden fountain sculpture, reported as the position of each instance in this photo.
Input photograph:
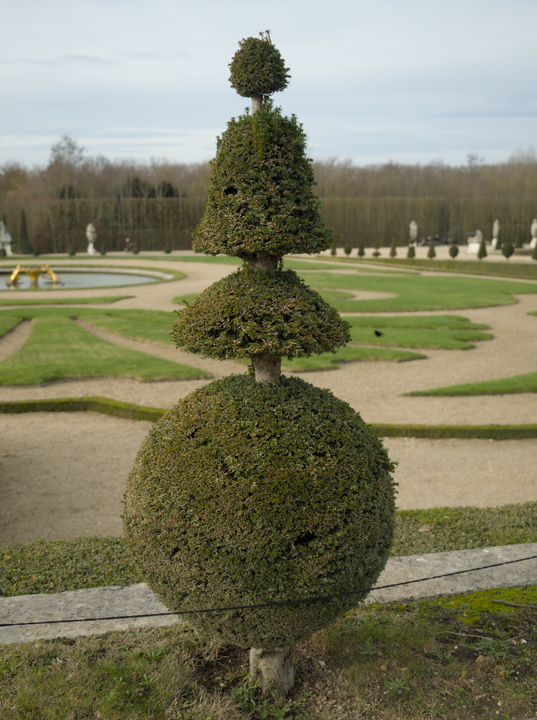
(33, 273)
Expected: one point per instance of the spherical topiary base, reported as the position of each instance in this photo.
(246, 494)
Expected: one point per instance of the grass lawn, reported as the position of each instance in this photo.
(463, 657)
(21, 301)
(400, 336)
(58, 349)
(517, 384)
(418, 292)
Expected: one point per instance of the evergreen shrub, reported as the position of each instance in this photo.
(260, 197)
(258, 68)
(245, 493)
(258, 312)
(507, 249)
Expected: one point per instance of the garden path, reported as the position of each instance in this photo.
(63, 474)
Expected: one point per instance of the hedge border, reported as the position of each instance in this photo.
(130, 411)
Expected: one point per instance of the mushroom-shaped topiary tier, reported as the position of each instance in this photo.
(259, 489)
(282, 317)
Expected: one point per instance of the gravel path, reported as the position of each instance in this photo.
(62, 475)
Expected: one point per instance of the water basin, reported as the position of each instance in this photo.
(73, 278)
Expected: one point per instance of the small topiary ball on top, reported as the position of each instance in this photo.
(257, 68)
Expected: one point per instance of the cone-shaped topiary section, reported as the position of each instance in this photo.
(258, 312)
(258, 68)
(260, 197)
(249, 494)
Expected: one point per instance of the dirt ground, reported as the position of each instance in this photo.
(62, 475)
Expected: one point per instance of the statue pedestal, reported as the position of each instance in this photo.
(473, 248)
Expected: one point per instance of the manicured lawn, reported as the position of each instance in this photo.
(517, 384)
(445, 332)
(349, 353)
(418, 292)
(22, 301)
(58, 349)
(400, 336)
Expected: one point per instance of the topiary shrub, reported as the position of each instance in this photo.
(246, 494)
(347, 249)
(361, 249)
(411, 252)
(261, 489)
(453, 249)
(283, 316)
(260, 197)
(258, 68)
(431, 252)
(482, 252)
(393, 249)
(507, 249)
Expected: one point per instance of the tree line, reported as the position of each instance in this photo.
(156, 204)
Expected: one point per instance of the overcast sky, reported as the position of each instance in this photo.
(373, 81)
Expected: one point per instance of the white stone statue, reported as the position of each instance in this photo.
(5, 239)
(475, 242)
(533, 242)
(413, 231)
(495, 234)
(91, 235)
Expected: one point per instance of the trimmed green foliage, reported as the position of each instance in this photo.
(507, 249)
(258, 68)
(467, 432)
(257, 312)
(58, 348)
(260, 197)
(423, 292)
(106, 406)
(248, 493)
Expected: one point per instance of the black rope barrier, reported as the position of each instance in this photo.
(276, 603)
